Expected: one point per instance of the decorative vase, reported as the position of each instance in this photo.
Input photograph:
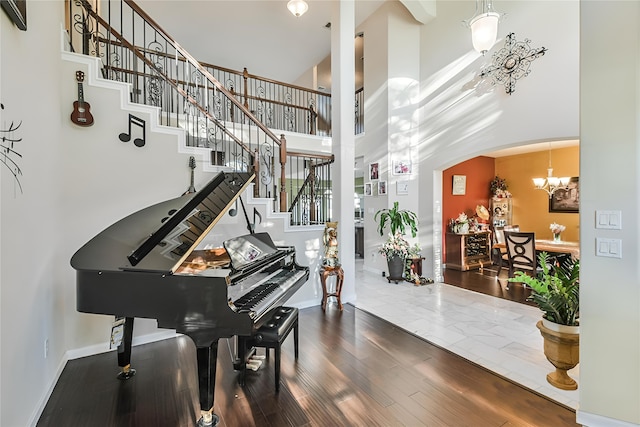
(396, 268)
(562, 349)
(556, 238)
(462, 228)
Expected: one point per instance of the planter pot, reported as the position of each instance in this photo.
(562, 350)
(396, 268)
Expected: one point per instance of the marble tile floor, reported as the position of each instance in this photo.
(495, 333)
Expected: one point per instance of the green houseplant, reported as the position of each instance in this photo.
(398, 220)
(396, 248)
(557, 294)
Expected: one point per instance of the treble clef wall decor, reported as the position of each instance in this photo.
(10, 156)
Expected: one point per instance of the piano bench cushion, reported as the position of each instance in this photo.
(276, 329)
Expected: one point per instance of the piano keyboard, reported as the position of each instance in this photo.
(263, 295)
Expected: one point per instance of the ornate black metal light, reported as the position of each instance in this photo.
(512, 62)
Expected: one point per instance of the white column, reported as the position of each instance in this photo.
(342, 119)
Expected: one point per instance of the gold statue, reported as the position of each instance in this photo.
(330, 240)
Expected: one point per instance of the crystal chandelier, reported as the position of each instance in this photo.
(484, 26)
(297, 7)
(551, 183)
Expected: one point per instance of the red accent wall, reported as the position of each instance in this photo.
(479, 172)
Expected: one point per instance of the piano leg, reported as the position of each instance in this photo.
(124, 351)
(207, 359)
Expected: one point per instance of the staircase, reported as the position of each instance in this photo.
(132, 48)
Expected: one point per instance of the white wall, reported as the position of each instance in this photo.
(609, 159)
(391, 76)
(32, 304)
(463, 116)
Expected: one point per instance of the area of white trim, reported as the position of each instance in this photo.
(90, 351)
(594, 420)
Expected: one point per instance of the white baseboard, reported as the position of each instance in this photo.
(593, 420)
(90, 351)
(44, 398)
(104, 347)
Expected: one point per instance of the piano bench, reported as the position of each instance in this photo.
(271, 335)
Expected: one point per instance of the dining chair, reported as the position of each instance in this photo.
(521, 252)
(499, 255)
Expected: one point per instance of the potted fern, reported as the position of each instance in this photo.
(557, 294)
(396, 248)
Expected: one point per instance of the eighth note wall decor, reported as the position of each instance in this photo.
(126, 136)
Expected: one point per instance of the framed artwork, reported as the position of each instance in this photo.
(459, 185)
(401, 167)
(566, 199)
(17, 11)
(368, 189)
(374, 171)
(382, 188)
(402, 187)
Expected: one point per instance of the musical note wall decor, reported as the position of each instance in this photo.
(126, 137)
(9, 156)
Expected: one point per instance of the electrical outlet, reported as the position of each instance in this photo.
(46, 348)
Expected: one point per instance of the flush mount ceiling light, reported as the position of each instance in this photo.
(297, 7)
(512, 62)
(484, 26)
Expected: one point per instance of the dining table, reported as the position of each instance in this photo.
(551, 246)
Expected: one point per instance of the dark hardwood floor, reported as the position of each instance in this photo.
(485, 281)
(354, 369)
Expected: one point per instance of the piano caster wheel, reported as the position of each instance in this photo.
(211, 421)
(125, 375)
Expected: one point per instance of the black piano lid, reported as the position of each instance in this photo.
(160, 237)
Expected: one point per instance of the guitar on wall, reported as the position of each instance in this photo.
(192, 165)
(81, 114)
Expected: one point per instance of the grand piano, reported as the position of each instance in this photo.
(149, 265)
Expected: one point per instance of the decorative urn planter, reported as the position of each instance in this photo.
(396, 268)
(561, 347)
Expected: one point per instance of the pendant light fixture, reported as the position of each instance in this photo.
(484, 26)
(551, 183)
(297, 7)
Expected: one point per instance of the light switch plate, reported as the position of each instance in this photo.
(611, 248)
(610, 220)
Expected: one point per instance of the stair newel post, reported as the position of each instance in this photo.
(245, 76)
(256, 171)
(283, 162)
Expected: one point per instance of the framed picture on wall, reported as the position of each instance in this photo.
(368, 189)
(382, 188)
(459, 185)
(374, 171)
(566, 199)
(401, 167)
(402, 187)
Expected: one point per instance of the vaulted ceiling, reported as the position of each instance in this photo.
(261, 35)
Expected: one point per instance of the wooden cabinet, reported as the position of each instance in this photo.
(468, 251)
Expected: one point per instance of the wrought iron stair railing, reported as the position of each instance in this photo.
(309, 188)
(165, 75)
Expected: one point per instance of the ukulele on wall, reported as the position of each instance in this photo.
(81, 114)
